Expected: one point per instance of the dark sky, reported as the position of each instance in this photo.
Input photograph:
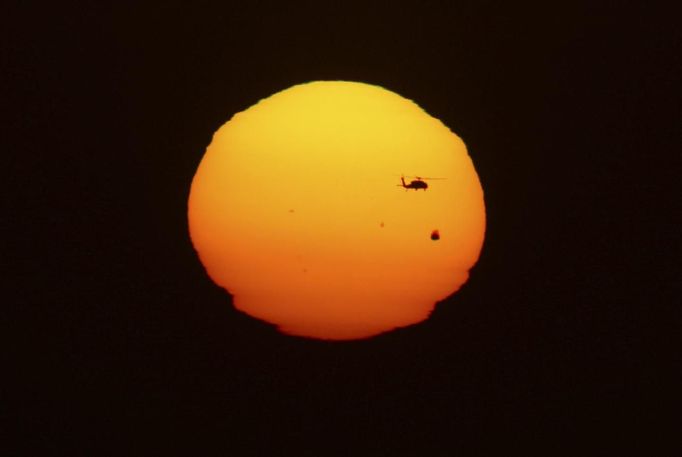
(121, 345)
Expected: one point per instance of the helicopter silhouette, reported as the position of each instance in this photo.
(416, 183)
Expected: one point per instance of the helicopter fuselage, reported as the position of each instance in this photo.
(415, 184)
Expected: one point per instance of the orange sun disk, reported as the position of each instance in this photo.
(297, 210)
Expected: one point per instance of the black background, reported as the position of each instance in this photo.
(123, 346)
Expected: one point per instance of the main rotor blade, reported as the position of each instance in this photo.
(417, 177)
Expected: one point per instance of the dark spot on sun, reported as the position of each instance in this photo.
(381, 224)
(435, 235)
(291, 211)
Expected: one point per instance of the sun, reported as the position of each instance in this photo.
(308, 209)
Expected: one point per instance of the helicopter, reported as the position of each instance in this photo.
(416, 183)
